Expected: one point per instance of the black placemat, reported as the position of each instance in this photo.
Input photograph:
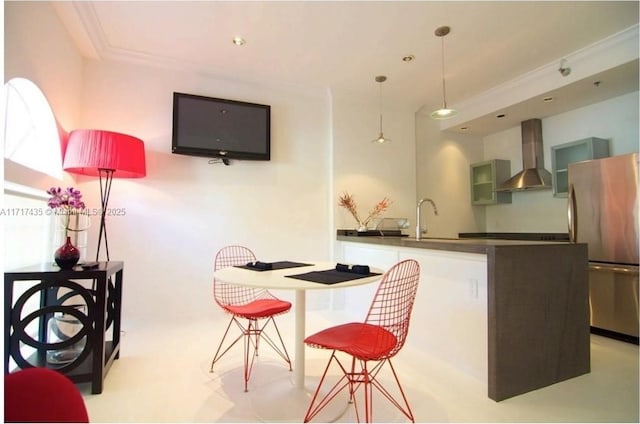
(330, 276)
(275, 265)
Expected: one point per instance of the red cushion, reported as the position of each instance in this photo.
(42, 395)
(364, 341)
(260, 308)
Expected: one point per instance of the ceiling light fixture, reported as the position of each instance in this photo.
(239, 41)
(444, 112)
(381, 139)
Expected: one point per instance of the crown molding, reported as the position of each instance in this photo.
(93, 43)
(74, 20)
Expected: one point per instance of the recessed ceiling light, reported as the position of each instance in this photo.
(547, 99)
(408, 58)
(239, 41)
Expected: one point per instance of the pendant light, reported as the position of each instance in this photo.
(444, 112)
(381, 138)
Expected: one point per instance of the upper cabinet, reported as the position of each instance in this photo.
(485, 177)
(576, 151)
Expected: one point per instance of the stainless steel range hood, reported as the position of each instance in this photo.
(533, 175)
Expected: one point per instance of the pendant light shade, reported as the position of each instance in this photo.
(444, 112)
(381, 138)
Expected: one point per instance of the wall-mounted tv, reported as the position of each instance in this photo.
(220, 128)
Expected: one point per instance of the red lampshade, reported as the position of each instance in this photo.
(88, 151)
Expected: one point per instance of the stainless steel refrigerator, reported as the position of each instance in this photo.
(603, 212)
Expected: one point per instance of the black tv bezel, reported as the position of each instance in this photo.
(218, 153)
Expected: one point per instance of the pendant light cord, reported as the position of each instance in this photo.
(444, 87)
(381, 138)
(380, 84)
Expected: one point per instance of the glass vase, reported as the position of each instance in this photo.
(78, 224)
(61, 328)
(67, 255)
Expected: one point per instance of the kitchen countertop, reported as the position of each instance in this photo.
(451, 244)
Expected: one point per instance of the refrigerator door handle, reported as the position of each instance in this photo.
(571, 215)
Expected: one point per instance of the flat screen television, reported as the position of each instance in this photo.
(220, 128)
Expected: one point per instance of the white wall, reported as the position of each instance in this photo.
(174, 220)
(371, 171)
(615, 120)
(38, 48)
(442, 164)
(186, 209)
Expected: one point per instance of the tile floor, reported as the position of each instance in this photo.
(163, 376)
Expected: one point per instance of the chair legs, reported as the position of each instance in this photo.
(358, 375)
(251, 334)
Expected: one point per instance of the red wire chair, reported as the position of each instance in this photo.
(376, 340)
(252, 304)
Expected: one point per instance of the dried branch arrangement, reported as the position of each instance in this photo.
(347, 201)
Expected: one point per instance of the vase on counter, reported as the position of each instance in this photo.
(67, 255)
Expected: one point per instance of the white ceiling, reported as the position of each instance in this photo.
(343, 45)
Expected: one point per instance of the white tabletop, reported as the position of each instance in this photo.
(277, 279)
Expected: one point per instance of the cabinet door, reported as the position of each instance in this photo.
(449, 320)
(576, 151)
(485, 177)
(356, 300)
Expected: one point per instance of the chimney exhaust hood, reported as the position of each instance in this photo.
(533, 175)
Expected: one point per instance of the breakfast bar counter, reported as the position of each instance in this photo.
(514, 314)
(468, 245)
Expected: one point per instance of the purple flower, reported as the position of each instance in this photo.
(69, 201)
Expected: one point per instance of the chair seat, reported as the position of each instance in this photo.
(42, 395)
(364, 341)
(260, 308)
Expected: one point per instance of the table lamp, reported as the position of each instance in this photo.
(108, 155)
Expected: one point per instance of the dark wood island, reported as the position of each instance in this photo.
(537, 304)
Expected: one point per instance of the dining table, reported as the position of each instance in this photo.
(288, 401)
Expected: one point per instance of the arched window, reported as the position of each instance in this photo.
(31, 139)
(29, 128)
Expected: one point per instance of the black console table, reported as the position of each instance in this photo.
(36, 295)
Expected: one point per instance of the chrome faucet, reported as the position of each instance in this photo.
(418, 224)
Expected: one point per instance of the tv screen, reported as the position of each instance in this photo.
(220, 128)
